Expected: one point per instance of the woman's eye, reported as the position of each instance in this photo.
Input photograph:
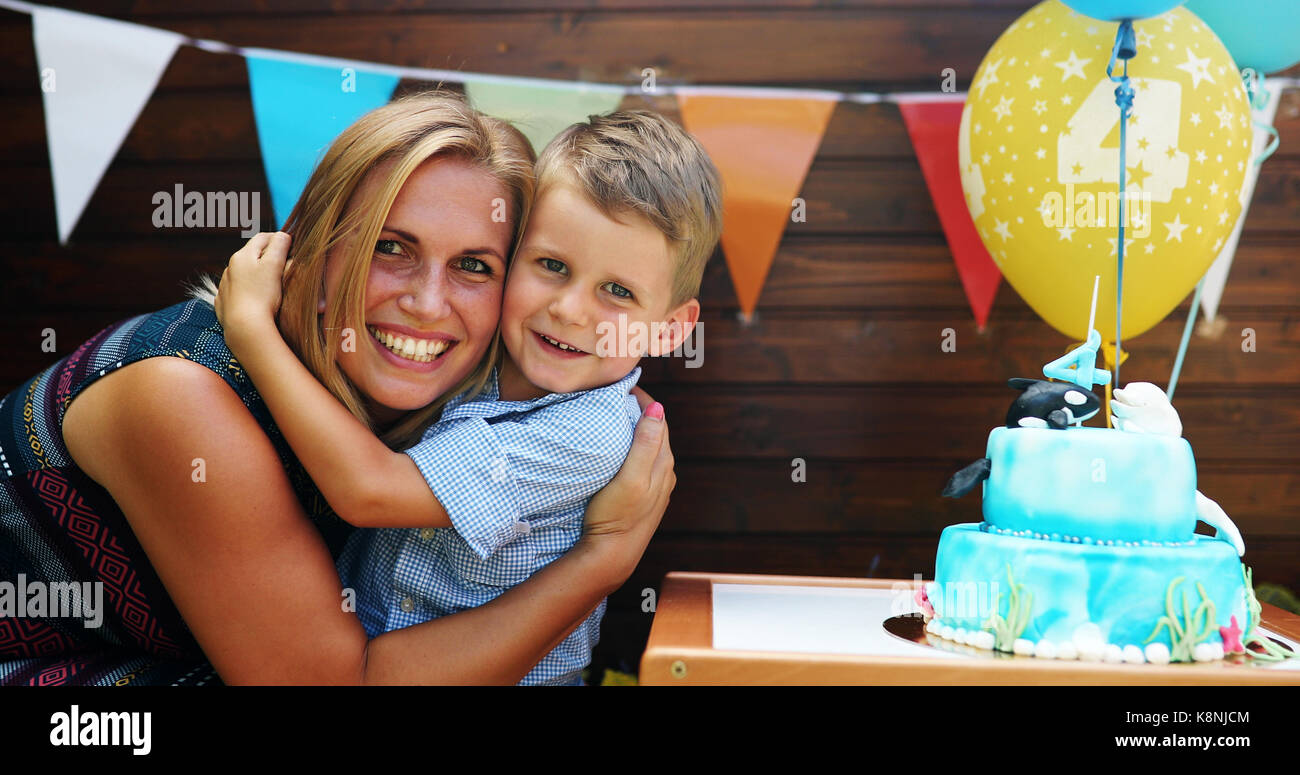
(389, 247)
(475, 265)
(617, 290)
(551, 265)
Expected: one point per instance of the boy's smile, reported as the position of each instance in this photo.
(576, 269)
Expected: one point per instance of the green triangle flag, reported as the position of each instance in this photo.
(541, 112)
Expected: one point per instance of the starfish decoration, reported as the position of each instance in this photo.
(923, 602)
(1232, 638)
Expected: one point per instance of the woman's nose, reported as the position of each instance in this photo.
(427, 298)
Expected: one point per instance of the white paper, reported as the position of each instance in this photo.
(812, 620)
(102, 72)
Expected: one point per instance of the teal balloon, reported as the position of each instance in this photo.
(1261, 34)
(1119, 10)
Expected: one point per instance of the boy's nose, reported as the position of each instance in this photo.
(568, 308)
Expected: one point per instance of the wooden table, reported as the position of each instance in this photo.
(680, 652)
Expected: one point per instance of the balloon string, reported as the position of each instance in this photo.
(1187, 336)
(1124, 49)
(1258, 98)
(1109, 422)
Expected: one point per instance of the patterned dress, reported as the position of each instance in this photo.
(64, 542)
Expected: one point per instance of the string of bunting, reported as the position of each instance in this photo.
(763, 139)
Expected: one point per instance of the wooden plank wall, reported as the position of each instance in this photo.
(843, 366)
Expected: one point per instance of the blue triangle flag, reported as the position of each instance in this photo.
(300, 109)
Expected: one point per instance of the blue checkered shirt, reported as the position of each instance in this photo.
(515, 478)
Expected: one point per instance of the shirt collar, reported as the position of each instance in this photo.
(488, 403)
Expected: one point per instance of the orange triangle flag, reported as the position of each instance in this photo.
(763, 148)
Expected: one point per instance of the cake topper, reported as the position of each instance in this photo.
(1079, 365)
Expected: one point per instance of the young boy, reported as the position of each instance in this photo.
(628, 210)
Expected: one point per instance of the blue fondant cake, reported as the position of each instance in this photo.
(1098, 483)
(1087, 549)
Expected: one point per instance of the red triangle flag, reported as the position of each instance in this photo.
(934, 127)
(762, 147)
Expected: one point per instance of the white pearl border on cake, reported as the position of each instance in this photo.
(1086, 646)
(1069, 539)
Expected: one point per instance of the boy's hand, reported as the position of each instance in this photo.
(249, 296)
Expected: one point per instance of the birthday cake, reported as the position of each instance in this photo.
(1088, 547)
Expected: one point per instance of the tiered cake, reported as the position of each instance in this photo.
(1087, 549)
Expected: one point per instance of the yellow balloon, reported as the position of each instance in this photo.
(1039, 155)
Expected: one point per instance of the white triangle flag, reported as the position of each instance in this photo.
(1217, 275)
(96, 75)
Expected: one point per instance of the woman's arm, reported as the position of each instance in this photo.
(366, 483)
(255, 582)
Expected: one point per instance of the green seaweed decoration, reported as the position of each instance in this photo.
(1269, 650)
(1194, 627)
(1005, 631)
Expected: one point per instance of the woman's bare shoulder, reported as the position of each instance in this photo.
(151, 404)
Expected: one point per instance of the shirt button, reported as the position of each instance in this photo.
(426, 533)
(407, 605)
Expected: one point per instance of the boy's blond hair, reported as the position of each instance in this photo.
(640, 162)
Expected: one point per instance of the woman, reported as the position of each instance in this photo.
(164, 479)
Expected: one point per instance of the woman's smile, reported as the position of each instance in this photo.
(411, 351)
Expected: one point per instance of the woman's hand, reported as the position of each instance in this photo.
(249, 296)
(622, 518)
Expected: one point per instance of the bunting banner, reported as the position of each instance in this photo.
(934, 123)
(541, 112)
(97, 73)
(1217, 275)
(762, 147)
(299, 109)
(85, 123)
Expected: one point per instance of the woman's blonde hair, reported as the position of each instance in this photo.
(403, 134)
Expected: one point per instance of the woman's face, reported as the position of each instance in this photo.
(433, 294)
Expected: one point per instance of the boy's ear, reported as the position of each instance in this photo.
(677, 328)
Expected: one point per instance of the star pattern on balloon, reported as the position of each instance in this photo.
(1072, 67)
(1196, 67)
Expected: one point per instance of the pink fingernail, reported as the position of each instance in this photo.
(655, 411)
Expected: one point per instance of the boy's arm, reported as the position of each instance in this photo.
(366, 483)
(491, 477)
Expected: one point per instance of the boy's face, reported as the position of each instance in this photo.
(592, 283)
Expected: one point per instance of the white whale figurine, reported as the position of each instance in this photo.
(1141, 407)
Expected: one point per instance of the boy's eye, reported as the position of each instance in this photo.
(552, 265)
(472, 264)
(617, 290)
(389, 247)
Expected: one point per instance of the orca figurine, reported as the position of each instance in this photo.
(1044, 404)
(1041, 404)
(968, 478)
